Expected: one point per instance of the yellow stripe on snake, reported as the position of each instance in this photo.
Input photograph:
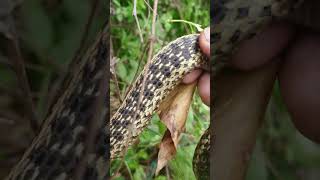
(232, 22)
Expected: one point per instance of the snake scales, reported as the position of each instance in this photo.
(60, 150)
(60, 146)
(165, 71)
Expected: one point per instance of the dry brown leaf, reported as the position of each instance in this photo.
(173, 113)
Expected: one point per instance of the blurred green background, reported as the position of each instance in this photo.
(129, 56)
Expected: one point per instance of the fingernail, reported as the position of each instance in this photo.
(207, 34)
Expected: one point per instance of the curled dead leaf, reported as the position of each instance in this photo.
(173, 113)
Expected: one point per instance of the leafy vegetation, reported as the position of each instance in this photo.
(130, 56)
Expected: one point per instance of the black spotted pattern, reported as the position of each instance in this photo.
(62, 151)
(160, 79)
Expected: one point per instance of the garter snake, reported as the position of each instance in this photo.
(166, 70)
(232, 21)
(60, 149)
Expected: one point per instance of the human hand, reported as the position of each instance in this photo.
(299, 74)
(204, 77)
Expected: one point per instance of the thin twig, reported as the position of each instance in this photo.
(153, 30)
(19, 68)
(137, 70)
(145, 48)
(151, 44)
(129, 171)
(177, 4)
(141, 59)
(84, 37)
(150, 52)
(147, 3)
(168, 173)
(116, 82)
(63, 82)
(148, 11)
(34, 67)
(134, 13)
(198, 26)
(113, 71)
(148, 16)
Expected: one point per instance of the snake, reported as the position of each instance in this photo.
(233, 21)
(60, 149)
(165, 71)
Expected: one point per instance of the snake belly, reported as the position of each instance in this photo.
(164, 73)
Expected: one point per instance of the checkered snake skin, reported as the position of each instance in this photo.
(166, 70)
(236, 20)
(58, 151)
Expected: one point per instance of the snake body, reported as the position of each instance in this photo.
(166, 70)
(60, 150)
(232, 22)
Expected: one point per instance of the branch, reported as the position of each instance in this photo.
(84, 37)
(150, 53)
(134, 13)
(19, 68)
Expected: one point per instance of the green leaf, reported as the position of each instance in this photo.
(122, 71)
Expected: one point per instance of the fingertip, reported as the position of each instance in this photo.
(191, 77)
(204, 41)
(204, 88)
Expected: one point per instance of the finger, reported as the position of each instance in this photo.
(299, 80)
(191, 77)
(263, 47)
(204, 88)
(204, 41)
